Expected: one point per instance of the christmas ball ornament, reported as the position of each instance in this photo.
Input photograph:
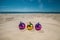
(38, 26)
(21, 26)
(30, 26)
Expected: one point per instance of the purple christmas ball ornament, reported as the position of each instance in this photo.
(38, 26)
(21, 26)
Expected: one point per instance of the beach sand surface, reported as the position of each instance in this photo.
(9, 27)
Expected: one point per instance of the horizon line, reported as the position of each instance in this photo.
(31, 12)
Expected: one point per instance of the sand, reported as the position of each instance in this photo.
(9, 27)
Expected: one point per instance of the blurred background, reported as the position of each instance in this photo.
(29, 5)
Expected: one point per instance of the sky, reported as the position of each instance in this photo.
(29, 5)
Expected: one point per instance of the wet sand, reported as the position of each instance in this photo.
(50, 27)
